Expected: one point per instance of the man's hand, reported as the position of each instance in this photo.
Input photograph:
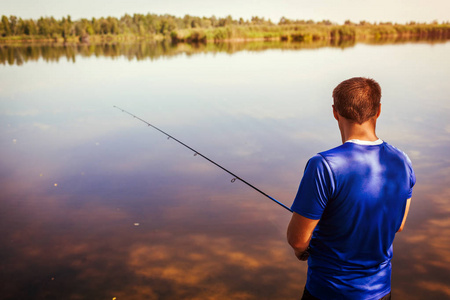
(302, 255)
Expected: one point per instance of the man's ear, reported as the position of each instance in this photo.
(335, 113)
(379, 111)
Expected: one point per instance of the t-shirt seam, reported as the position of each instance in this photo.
(332, 172)
(408, 162)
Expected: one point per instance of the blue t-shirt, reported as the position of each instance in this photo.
(358, 191)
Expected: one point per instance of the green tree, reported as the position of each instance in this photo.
(66, 27)
(55, 28)
(30, 27)
(187, 22)
(225, 21)
(152, 23)
(104, 26)
(20, 28)
(206, 23)
(113, 25)
(96, 26)
(126, 24)
(214, 22)
(83, 27)
(13, 24)
(6, 28)
(43, 27)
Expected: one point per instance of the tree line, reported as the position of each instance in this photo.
(137, 24)
(192, 28)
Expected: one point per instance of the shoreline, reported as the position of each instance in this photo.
(292, 32)
(136, 39)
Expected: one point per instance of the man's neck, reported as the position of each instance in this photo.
(355, 131)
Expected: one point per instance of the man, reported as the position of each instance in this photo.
(351, 201)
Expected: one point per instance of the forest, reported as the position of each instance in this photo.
(206, 29)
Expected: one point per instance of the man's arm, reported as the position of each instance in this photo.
(408, 203)
(299, 234)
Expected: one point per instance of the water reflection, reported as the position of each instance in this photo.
(20, 54)
(179, 250)
(77, 175)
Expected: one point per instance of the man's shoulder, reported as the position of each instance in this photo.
(398, 152)
(340, 150)
(347, 154)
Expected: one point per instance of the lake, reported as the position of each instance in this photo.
(95, 204)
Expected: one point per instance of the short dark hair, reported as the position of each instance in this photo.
(357, 99)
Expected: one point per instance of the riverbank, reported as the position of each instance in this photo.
(87, 39)
(316, 32)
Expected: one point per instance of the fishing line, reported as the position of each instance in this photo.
(235, 177)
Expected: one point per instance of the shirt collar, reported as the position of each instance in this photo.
(369, 143)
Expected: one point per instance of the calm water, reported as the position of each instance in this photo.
(95, 205)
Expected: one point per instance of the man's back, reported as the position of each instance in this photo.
(351, 201)
(358, 191)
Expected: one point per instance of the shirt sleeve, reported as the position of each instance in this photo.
(316, 188)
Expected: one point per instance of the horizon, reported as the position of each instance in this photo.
(275, 22)
(371, 11)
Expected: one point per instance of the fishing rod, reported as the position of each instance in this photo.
(210, 160)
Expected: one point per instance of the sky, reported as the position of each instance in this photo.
(399, 11)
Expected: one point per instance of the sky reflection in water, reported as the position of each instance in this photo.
(94, 204)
